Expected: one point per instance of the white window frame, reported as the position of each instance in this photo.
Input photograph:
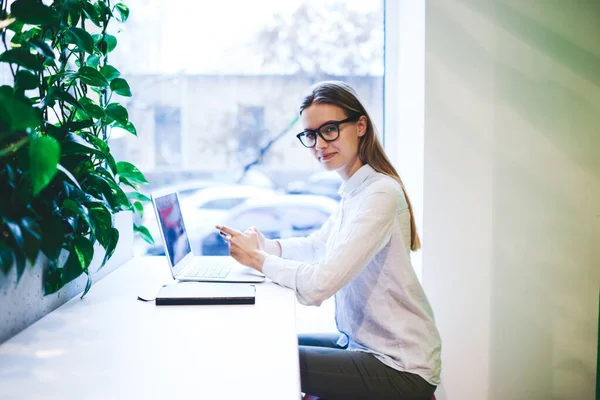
(404, 101)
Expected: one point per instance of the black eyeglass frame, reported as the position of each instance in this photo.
(318, 130)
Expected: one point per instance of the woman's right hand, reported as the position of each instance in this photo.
(270, 246)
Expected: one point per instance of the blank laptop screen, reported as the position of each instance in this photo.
(171, 222)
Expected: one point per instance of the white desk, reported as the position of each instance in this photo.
(111, 346)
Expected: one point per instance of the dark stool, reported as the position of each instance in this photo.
(311, 397)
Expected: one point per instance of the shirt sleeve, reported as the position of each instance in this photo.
(360, 238)
(308, 249)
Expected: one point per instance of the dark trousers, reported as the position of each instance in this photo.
(331, 373)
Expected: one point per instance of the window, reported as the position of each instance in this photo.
(167, 136)
(216, 96)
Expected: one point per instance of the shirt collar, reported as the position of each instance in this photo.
(355, 180)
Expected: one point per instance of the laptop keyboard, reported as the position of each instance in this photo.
(211, 271)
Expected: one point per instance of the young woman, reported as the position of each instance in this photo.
(389, 346)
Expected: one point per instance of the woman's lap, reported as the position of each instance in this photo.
(330, 372)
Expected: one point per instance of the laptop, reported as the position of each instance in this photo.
(184, 265)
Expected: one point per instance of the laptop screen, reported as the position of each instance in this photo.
(170, 219)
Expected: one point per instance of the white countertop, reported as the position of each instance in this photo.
(111, 346)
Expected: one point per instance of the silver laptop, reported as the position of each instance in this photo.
(184, 265)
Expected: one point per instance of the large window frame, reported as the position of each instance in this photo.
(404, 101)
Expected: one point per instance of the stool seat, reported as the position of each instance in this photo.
(311, 397)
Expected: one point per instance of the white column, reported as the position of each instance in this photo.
(404, 100)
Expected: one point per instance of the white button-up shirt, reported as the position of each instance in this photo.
(362, 256)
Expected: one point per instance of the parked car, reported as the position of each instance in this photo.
(276, 216)
(185, 189)
(191, 187)
(201, 211)
(325, 183)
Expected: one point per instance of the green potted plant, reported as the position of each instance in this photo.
(59, 183)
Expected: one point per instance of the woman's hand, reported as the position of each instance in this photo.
(269, 246)
(246, 247)
(261, 238)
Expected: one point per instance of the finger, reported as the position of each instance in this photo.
(230, 231)
(225, 236)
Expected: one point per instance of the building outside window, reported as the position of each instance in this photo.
(216, 96)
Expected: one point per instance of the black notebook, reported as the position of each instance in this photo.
(184, 293)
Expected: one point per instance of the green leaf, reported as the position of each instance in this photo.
(123, 11)
(17, 236)
(93, 61)
(88, 284)
(80, 210)
(110, 72)
(117, 112)
(98, 143)
(102, 220)
(57, 93)
(111, 42)
(129, 128)
(30, 225)
(6, 258)
(106, 234)
(32, 238)
(53, 232)
(42, 48)
(105, 43)
(112, 164)
(112, 237)
(103, 171)
(92, 77)
(138, 196)
(120, 86)
(144, 233)
(75, 144)
(91, 108)
(78, 125)
(44, 153)
(131, 172)
(72, 268)
(127, 182)
(25, 80)
(106, 188)
(91, 13)
(16, 232)
(15, 26)
(16, 114)
(85, 251)
(139, 209)
(33, 12)
(73, 9)
(68, 174)
(22, 57)
(52, 279)
(81, 38)
(103, 10)
(65, 77)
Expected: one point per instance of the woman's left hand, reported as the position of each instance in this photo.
(245, 247)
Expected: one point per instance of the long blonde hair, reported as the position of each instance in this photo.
(370, 150)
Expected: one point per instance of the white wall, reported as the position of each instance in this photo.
(511, 259)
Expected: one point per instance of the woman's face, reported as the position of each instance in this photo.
(341, 155)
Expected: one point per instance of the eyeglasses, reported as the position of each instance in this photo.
(329, 132)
